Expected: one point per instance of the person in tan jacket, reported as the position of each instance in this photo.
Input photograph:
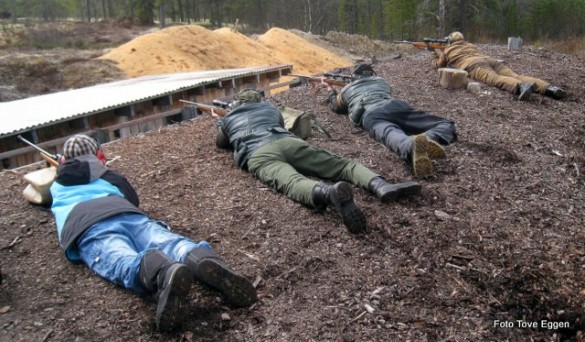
(463, 55)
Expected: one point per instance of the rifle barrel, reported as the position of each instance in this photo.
(21, 138)
(206, 107)
(315, 79)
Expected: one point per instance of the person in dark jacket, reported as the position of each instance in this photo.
(417, 137)
(255, 131)
(464, 55)
(99, 223)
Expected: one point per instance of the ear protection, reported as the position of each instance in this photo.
(101, 156)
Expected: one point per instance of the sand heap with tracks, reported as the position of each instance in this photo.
(194, 48)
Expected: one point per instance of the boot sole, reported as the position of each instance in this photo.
(525, 95)
(421, 164)
(351, 216)
(435, 150)
(172, 302)
(237, 290)
(401, 191)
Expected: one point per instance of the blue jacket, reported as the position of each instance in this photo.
(84, 193)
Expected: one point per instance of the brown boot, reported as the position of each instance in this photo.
(422, 166)
(435, 150)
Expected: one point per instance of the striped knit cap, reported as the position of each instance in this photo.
(79, 145)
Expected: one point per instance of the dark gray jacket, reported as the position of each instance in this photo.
(248, 127)
(360, 96)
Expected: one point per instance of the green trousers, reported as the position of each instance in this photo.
(285, 165)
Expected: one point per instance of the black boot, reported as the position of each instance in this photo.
(555, 92)
(387, 192)
(210, 270)
(525, 90)
(340, 196)
(170, 282)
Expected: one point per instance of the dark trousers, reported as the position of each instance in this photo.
(394, 122)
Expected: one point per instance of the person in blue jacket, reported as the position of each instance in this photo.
(99, 223)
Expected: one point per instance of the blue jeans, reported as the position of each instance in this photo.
(114, 247)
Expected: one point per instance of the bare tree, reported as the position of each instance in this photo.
(442, 18)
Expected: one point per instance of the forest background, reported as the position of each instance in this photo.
(536, 21)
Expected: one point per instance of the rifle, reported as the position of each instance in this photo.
(317, 79)
(221, 104)
(341, 77)
(207, 108)
(428, 43)
(52, 159)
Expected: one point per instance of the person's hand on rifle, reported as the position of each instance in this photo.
(327, 85)
(439, 53)
(213, 114)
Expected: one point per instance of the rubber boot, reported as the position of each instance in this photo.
(555, 92)
(525, 90)
(340, 197)
(210, 270)
(387, 192)
(170, 282)
(422, 166)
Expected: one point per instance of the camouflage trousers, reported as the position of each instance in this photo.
(496, 74)
(285, 165)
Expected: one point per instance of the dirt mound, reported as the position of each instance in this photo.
(192, 48)
(307, 57)
(45, 71)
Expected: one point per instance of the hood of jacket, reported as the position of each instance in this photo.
(80, 170)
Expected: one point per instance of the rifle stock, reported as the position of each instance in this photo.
(207, 108)
(317, 79)
(52, 159)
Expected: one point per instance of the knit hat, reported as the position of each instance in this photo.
(79, 145)
(249, 95)
(362, 70)
(455, 37)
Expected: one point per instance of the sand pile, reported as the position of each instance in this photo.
(307, 57)
(193, 48)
